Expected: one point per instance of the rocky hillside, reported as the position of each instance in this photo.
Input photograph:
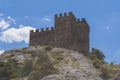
(46, 63)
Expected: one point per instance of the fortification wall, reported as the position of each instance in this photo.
(41, 37)
(69, 32)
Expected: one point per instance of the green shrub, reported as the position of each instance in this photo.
(24, 48)
(17, 79)
(97, 63)
(106, 72)
(111, 63)
(42, 57)
(93, 57)
(97, 58)
(48, 48)
(10, 69)
(10, 56)
(58, 56)
(98, 54)
(41, 70)
(27, 67)
(75, 64)
(43, 67)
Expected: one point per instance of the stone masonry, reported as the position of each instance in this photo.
(68, 32)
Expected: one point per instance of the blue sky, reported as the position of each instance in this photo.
(17, 17)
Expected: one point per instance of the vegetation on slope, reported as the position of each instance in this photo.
(108, 71)
(43, 67)
(9, 69)
(40, 65)
(31, 69)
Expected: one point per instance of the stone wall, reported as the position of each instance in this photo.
(69, 32)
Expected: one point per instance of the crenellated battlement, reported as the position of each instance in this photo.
(68, 32)
(70, 14)
(42, 30)
(80, 20)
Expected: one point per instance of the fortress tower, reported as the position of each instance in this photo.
(68, 32)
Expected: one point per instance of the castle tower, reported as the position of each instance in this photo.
(68, 32)
(64, 20)
(63, 28)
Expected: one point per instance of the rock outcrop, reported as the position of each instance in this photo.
(70, 64)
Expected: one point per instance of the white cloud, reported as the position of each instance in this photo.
(26, 17)
(1, 51)
(107, 28)
(16, 35)
(11, 19)
(1, 14)
(4, 24)
(45, 20)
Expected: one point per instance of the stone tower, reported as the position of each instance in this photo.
(68, 32)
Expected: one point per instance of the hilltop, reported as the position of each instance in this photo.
(70, 65)
(47, 63)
